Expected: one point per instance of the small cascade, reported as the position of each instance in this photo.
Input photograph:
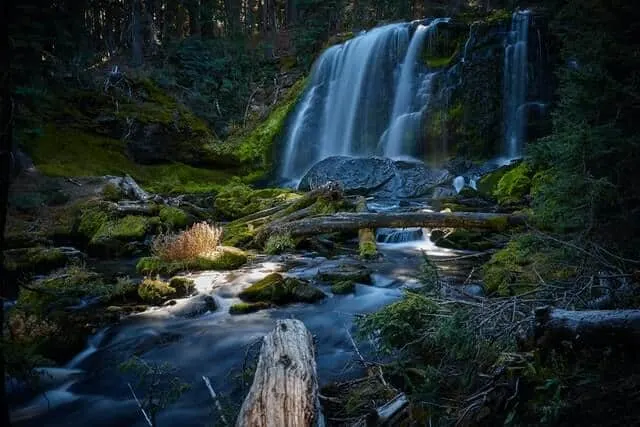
(404, 119)
(92, 345)
(515, 84)
(400, 235)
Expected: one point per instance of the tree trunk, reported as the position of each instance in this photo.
(586, 329)
(355, 221)
(137, 39)
(292, 13)
(6, 156)
(285, 387)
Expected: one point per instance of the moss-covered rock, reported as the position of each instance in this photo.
(114, 237)
(183, 286)
(246, 308)
(174, 218)
(112, 192)
(155, 291)
(238, 234)
(280, 290)
(350, 272)
(227, 258)
(514, 185)
(343, 287)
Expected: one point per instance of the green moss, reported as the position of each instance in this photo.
(155, 291)
(488, 183)
(367, 244)
(256, 147)
(514, 185)
(174, 218)
(36, 260)
(227, 259)
(246, 308)
(347, 272)
(65, 289)
(279, 243)
(279, 290)
(93, 216)
(124, 229)
(238, 234)
(523, 262)
(343, 287)
(183, 286)
(237, 200)
(63, 152)
(112, 193)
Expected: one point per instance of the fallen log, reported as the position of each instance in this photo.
(354, 221)
(285, 386)
(586, 329)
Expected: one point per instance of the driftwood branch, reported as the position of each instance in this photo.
(144, 413)
(285, 387)
(214, 396)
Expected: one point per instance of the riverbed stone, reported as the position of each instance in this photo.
(280, 290)
(342, 272)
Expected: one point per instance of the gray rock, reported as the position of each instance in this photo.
(361, 176)
(375, 176)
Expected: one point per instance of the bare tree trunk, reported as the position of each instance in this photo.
(6, 156)
(292, 12)
(285, 387)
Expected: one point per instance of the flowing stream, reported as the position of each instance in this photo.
(91, 390)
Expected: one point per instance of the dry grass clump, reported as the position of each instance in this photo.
(201, 240)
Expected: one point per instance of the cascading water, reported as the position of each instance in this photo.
(515, 83)
(404, 119)
(346, 109)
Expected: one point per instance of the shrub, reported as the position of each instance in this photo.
(279, 243)
(201, 240)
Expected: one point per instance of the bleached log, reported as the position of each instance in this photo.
(285, 387)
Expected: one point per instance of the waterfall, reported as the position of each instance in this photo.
(515, 83)
(362, 99)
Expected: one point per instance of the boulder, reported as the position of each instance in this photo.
(362, 176)
(378, 176)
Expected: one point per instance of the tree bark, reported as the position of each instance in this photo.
(285, 387)
(586, 329)
(355, 221)
(6, 156)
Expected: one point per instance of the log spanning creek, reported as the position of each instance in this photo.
(197, 343)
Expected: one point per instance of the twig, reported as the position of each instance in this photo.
(214, 396)
(144, 413)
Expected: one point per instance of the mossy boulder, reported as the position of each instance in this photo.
(514, 185)
(183, 286)
(155, 291)
(114, 236)
(343, 287)
(464, 240)
(280, 290)
(238, 234)
(228, 258)
(246, 308)
(345, 272)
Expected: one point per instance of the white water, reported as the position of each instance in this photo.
(405, 89)
(361, 100)
(515, 84)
